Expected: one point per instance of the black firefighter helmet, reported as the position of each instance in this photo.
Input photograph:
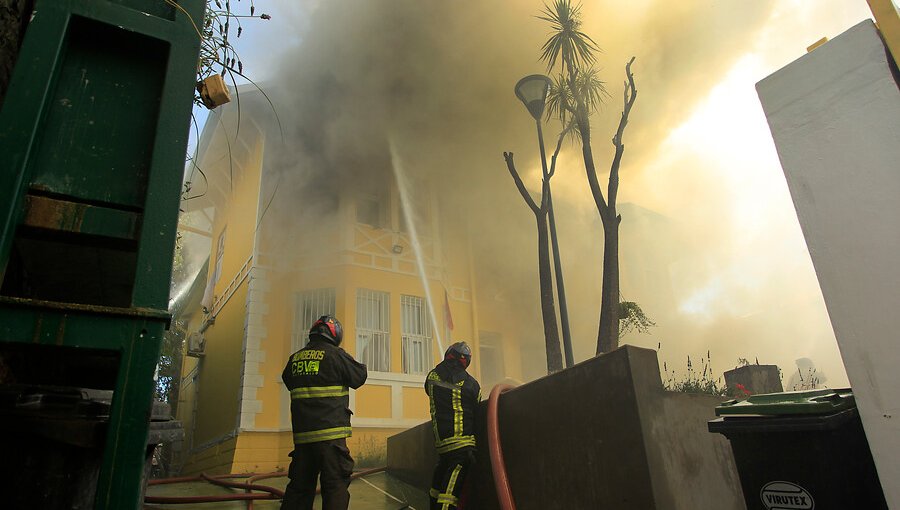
(328, 328)
(461, 352)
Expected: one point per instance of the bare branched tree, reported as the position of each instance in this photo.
(548, 311)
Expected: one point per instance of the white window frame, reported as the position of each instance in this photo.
(373, 329)
(416, 333)
(377, 199)
(309, 305)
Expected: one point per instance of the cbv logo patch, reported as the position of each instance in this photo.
(786, 496)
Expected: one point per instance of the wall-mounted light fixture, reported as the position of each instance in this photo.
(398, 249)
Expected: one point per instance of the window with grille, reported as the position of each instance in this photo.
(416, 335)
(373, 329)
(309, 306)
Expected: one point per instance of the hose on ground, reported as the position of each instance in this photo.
(270, 493)
(498, 465)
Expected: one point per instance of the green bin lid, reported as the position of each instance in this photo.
(826, 401)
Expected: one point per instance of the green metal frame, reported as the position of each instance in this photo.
(135, 332)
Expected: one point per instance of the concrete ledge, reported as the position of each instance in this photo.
(602, 434)
(755, 379)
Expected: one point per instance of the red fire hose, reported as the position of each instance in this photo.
(501, 481)
(269, 493)
(220, 480)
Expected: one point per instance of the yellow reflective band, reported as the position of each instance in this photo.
(314, 436)
(448, 498)
(454, 440)
(433, 410)
(319, 392)
(457, 412)
(457, 443)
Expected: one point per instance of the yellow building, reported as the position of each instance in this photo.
(286, 245)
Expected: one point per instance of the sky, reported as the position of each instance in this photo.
(711, 244)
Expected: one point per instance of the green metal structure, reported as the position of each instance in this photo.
(93, 132)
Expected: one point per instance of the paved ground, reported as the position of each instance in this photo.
(379, 491)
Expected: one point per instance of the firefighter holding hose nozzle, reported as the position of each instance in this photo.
(319, 377)
(454, 396)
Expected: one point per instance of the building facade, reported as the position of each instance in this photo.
(379, 251)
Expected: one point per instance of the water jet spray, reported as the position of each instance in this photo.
(402, 187)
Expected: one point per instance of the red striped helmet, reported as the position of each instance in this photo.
(328, 328)
(461, 352)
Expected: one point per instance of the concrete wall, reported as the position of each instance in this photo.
(754, 378)
(602, 434)
(835, 118)
(689, 468)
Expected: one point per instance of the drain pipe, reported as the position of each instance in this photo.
(498, 466)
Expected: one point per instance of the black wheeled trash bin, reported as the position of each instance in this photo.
(801, 450)
(53, 438)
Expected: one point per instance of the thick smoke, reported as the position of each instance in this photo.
(436, 79)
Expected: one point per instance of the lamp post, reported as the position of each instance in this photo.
(532, 91)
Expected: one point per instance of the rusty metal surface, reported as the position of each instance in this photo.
(135, 312)
(45, 212)
(55, 214)
(97, 114)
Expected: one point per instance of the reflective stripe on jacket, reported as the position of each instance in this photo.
(319, 377)
(453, 396)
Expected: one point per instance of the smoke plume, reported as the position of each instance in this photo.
(711, 248)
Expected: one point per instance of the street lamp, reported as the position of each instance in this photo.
(532, 90)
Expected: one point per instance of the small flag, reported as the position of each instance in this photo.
(447, 316)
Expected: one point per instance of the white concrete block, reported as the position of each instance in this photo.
(257, 355)
(253, 381)
(256, 330)
(258, 307)
(251, 368)
(248, 420)
(259, 284)
(835, 118)
(251, 406)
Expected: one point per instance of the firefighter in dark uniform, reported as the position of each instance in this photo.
(319, 377)
(454, 396)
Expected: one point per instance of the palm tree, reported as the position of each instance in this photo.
(575, 96)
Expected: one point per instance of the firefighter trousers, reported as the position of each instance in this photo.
(328, 461)
(449, 478)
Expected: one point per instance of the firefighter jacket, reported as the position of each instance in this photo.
(454, 396)
(319, 377)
